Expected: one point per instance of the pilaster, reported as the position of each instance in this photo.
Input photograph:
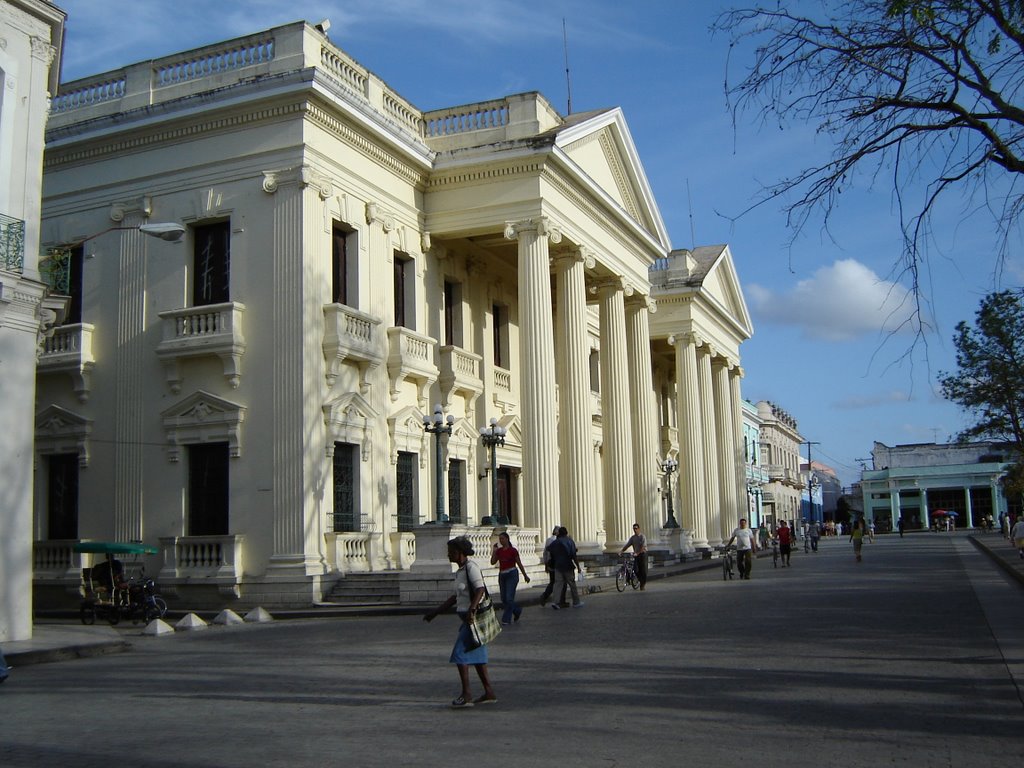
(541, 508)
(726, 447)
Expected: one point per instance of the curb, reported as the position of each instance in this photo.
(1008, 567)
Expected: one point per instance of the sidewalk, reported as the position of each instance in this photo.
(60, 640)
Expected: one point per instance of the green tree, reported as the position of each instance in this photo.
(921, 91)
(989, 382)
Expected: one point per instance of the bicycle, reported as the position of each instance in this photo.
(728, 563)
(627, 574)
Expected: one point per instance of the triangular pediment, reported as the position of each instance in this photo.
(602, 148)
(721, 285)
(202, 406)
(349, 408)
(54, 421)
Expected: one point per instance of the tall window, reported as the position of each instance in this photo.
(75, 264)
(344, 258)
(499, 315)
(506, 508)
(207, 490)
(594, 362)
(404, 307)
(406, 481)
(211, 263)
(62, 496)
(452, 313)
(456, 507)
(346, 487)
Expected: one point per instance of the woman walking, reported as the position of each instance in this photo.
(469, 591)
(506, 557)
(857, 534)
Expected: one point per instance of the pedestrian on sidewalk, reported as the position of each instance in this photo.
(546, 559)
(566, 564)
(1017, 535)
(859, 531)
(639, 544)
(506, 557)
(785, 537)
(745, 548)
(899, 524)
(469, 591)
(815, 534)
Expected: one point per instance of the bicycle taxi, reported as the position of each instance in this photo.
(111, 590)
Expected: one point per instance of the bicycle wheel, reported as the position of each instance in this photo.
(726, 570)
(620, 580)
(88, 614)
(634, 580)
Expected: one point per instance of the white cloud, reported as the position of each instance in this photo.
(841, 302)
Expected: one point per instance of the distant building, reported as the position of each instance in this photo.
(927, 482)
(754, 471)
(780, 452)
(826, 489)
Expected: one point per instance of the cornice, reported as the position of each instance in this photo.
(139, 140)
(361, 143)
(457, 177)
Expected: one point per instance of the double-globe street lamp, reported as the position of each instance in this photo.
(493, 436)
(437, 426)
(668, 466)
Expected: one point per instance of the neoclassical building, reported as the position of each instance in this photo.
(780, 452)
(253, 397)
(31, 36)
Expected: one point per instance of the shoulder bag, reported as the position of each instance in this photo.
(485, 626)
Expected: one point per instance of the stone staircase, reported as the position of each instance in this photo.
(365, 589)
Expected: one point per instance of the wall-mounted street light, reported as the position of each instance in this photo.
(438, 426)
(493, 436)
(668, 466)
(55, 267)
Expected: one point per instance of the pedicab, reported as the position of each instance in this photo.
(112, 592)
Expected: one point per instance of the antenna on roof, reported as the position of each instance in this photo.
(689, 203)
(568, 83)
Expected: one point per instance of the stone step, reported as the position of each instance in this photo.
(365, 589)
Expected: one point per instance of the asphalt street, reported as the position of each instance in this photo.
(913, 657)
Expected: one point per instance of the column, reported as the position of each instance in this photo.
(691, 489)
(616, 420)
(970, 509)
(726, 445)
(646, 469)
(894, 504)
(537, 373)
(925, 517)
(131, 355)
(739, 465)
(574, 422)
(712, 502)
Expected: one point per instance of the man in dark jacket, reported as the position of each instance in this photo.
(563, 561)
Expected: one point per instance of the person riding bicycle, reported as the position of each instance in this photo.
(746, 546)
(639, 544)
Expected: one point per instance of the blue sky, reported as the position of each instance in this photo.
(822, 304)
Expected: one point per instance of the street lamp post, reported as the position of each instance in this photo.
(493, 436)
(55, 267)
(438, 426)
(668, 467)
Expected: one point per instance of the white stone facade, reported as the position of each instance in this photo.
(368, 261)
(31, 34)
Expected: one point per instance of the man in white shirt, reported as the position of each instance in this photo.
(746, 546)
(1017, 536)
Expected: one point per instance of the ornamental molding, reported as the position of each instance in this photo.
(303, 176)
(203, 418)
(59, 430)
(541, 225)
(57, 157)
(454, 178)
(341, 130)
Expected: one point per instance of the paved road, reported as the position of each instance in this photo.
(914, 657)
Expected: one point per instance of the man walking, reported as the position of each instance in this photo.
(785, 537)
(546, 559)
(746, 545)
(564, 561)
(1017, 536)
(639, 544)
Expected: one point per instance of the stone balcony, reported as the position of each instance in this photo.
(411, 358)
(214, 330)
(68, 350)
(351, 336)
(202, 560)
(460, 374)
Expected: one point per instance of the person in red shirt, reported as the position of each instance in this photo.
(785, 537)
(506, 557)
